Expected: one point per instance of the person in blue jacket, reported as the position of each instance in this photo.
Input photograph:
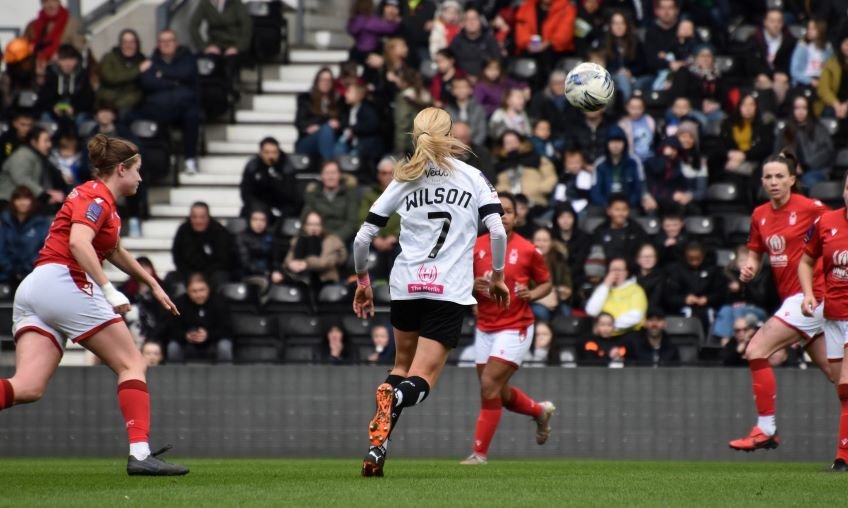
(617, 172)
(22, 233)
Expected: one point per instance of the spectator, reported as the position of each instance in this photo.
(556, 259)
(22, 233)
(625, 55)
(616, 172)
(335, 348)
(808, 138)
(618, 235)
(67, 96)
(268, 183)
(416, 25)
(386, 242)
(649, 274)
(13, 138)
(702, 83)
(550, 104)
(602, 348)
(120, 73)
(411, 99)
(773, 97)
(522, 171)
(545, 145)
(254, 246)
(544, 29)
(733, 348)
(693, 164)
(742, 298)
(480, 157)
(67, 157)
(810, 55)
(315, 256)
(29, 167)
(620, 296)
(153, 321)
(772, 46)
(747, 141)
(441, 87)
(152, 353)
(384, 346)
(385, 76)
(544, 351)
(652, 346)
(474, 44)
(203, 245)
(493, 85)
(367, 29)
(577, 242)
(229, 29)
(203, 329)
(590, 25)
(661, 36)
(510, 116)
(639, 128)
(681, 111)
(317, 117)
(589, 135)
(361, 128)
(686, 40)
(672, 238)
(53, 27)
(664, 177)
(523, 225)
(467, 110)
(575, 183)
(693, 288)
(446, 26)
(170, 95)
(335, 203)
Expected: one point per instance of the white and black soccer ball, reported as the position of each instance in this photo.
(589, 87)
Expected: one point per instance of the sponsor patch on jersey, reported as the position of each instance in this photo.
(93, 212)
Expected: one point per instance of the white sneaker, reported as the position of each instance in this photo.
(474, 460)
(191, 166)
(543, 422)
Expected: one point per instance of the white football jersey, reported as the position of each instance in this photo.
(439, 213)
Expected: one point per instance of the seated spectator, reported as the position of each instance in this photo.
(625, 55)
(315, 256)
(490, 89)
(672, 238)
(53, 27)
(22, 234)
(335, 348)
(203, 245)
(412, 98)
(556, 259)
(203, 329)
(652, 347)
(805, 136)
(702, 83)
(416, 25)
(384, 346)
(640, 129)
(771, 46)
(575, 183)
(618, 235)
(577, 242)
(693, 288)
(510, 116)
(153, 320)
(29, 167)
(254, 246)
(693, 163)
(649, 274)
(361, 128)
(810, 55)
(733, 348)
(544, 29)
(474, 44)
(68, 158)
(479, 157)
(22, 121)
(152, 353)
(545, 145)
(367, 28)
(66, 96)
(120, 73)
(441, 86)
(664, 177)
(522, 171)
(467, 110)
(386, 242)
(523, 224)
(317, 117)
(384, 77)
(774, 99)
(446, 26)
(603, 348)
(544, 351)
(550, 104)
(681, 111)
(620, 296)
(616, 172)
(337, 204)
(742, 298)
(686, 40)
(229, 31)
(170, 97)
(269, 184)
(746, 141)
(590, 25)
(660, 38)
(589, 135)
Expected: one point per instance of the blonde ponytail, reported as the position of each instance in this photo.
(433, 144)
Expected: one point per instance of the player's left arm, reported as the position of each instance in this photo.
(127, 263)
(540, 276)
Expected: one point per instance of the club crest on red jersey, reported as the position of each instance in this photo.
(793, 218)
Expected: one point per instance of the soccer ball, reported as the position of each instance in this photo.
(589, 87)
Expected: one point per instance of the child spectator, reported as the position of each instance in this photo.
(602, 348)
(384, 72)
(361, 128)
(367, 29)
(446, 26)
(441, 88)
(203, 329)
(639, 128)
(411, 99)
(575, 183)
(22, 234)
(556, 258)
(335, 348)
(810, 55)
(317, 117)
(67, 96)
(671, 238)
(544, 351)
(384, 346)
(348, 75)
(625, 55)
(467, 110)
(620, 296)
(254, 246)
(510, 116)
(68, 158)
(490, 89)
(120, 72)
(523, 171)
(545, 145)
(681, 111)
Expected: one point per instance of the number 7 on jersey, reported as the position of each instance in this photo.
(444, 234)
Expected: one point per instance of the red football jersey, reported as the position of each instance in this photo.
(828, 240)
(523, 264)
(780, 233)
(91, 204)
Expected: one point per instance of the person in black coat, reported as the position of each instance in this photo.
(254, 247)
(416, 25)
(203, 245)
(67, 95)
(618, 235)
(22, 122)
(203, 329)
(361, 129)
(577, 242)
(651, 346)
(170, 92)
(661, 35)
(771, 46)
(589, 135)
(664, 176)
(649, 274)
(317, 117)
(693, 287)
(267, 183)
(474, 44)
(335, 348)
(550, 104)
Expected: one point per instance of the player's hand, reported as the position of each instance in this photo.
(363, 303)
(119, 301)
(498, 290)
(522, 292)
(746, 273)
(481, 285)
(808, 306)
(165, 301)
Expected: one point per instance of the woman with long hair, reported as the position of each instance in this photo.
(555, 254)
(808, 138)
(810, 54)
(440, 201)
(317, 117)
(22, 232)
(69, 296)
(624, 53)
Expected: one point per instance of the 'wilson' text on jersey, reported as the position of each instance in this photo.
(440, 195)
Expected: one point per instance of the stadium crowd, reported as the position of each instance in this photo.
(641, 210)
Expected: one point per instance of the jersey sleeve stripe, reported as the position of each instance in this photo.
(490, 209)
(377, 220)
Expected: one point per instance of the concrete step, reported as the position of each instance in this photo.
(243, 148)
(147, 243)
(223, 164)
(317, 56)
(279, 86)
(226, 196)
(161, 259)
(331, 40)
(275, 102)
(165, 211)
(262, 116)
(216, 179)
(251, 133)
(162, 228)
(324, 21)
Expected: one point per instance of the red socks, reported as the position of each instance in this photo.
(520, 403)
(842, 445)
(487, 424)
(134, 402)
(7, 394)
(765, 388)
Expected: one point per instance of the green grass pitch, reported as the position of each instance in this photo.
(421, 483)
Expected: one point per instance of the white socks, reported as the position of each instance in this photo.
(767, 424)
(140, 450)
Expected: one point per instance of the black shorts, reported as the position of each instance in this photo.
(433, 319)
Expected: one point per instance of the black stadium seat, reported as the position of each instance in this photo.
(256, 338)
(240, 296)
(6, 293)
(687, 334)
(569, 330)
(736, 228)
(830, 193)
(301, 326)
(723, 197)
(286, 298)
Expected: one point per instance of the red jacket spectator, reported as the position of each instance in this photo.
(557, 29)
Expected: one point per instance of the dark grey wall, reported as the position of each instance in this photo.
(323, 411)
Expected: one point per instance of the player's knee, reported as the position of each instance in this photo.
(29, 392)
(490, 387)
